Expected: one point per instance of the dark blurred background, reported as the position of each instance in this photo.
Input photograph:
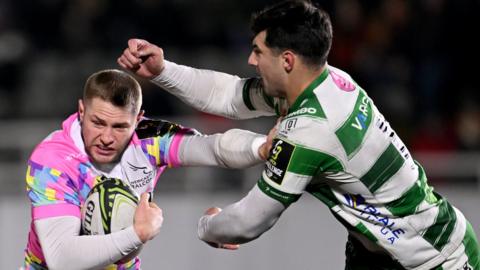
(418, 60)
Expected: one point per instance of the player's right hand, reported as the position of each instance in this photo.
(142, 58)
(212, 211)
(148, 219)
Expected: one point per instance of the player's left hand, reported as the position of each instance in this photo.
(211, 212)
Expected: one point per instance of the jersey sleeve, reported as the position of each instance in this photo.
(51, 191)
(255, 98)
(160, 141)
(295, 160)
(218, 93)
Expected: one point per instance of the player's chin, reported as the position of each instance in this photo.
(103, 158)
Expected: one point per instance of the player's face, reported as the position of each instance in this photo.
(269, 66)
(106, 129)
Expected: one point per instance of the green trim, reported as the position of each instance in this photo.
(366, 232)
(323, 193)
(439, 233)
(472, 249)
(308, 91)
(352, 133)
(246, 94)
(384, 168)
(285, 198)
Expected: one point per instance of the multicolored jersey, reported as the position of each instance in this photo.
(335, 144)
(60, 174)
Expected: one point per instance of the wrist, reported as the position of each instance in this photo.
(258, 145)
(141, 234)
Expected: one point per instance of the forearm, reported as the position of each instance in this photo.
(243, 221)
(208, 91)
(62, 245)
(235, 148)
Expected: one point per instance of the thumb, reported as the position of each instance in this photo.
(144, 199)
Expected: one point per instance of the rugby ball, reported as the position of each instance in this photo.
(109, 207)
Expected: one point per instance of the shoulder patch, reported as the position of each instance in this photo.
(148, 128)
(278, 160)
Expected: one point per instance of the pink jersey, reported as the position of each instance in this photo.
(60, 174)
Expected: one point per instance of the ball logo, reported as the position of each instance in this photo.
(88, 217)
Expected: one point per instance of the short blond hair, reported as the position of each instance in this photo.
(114, 86)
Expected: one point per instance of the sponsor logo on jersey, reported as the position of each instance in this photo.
(375, 216)
(140, 176)
(362, 116)
(278, 160)
(305, 110)
(290, 124)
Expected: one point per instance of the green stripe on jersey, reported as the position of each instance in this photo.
(439, 233)
(352, 133)
(246, 94)
(384, 168)
(409, 201)
(324, 193)
(364, 230)
(285, 198)
(472, 249)
(310, 162)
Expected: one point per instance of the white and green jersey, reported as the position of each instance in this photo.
(335, 144)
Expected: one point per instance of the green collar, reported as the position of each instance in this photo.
(308, 90)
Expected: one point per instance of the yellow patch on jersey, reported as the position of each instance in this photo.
(55, 172)
(50, 193)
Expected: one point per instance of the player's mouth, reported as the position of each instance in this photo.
(104, 151)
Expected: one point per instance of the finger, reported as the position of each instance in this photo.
(148, 50)
(131, 58)
(123, 62)
(213, 211)
(120, 63)
(135, 44)
(144, 199)
(229, 246)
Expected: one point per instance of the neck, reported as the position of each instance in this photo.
(300, 79)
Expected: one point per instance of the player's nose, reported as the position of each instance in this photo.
(252, 60)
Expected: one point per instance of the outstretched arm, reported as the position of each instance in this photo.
(236, 148)
(206, 90)
(242, 221)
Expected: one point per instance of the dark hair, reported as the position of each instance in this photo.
(298, 26)
(116, 87)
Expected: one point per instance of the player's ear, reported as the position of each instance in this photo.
(81, 109)
(288, 60)
(140, 115)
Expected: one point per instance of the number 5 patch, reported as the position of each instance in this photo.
(278, 160)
